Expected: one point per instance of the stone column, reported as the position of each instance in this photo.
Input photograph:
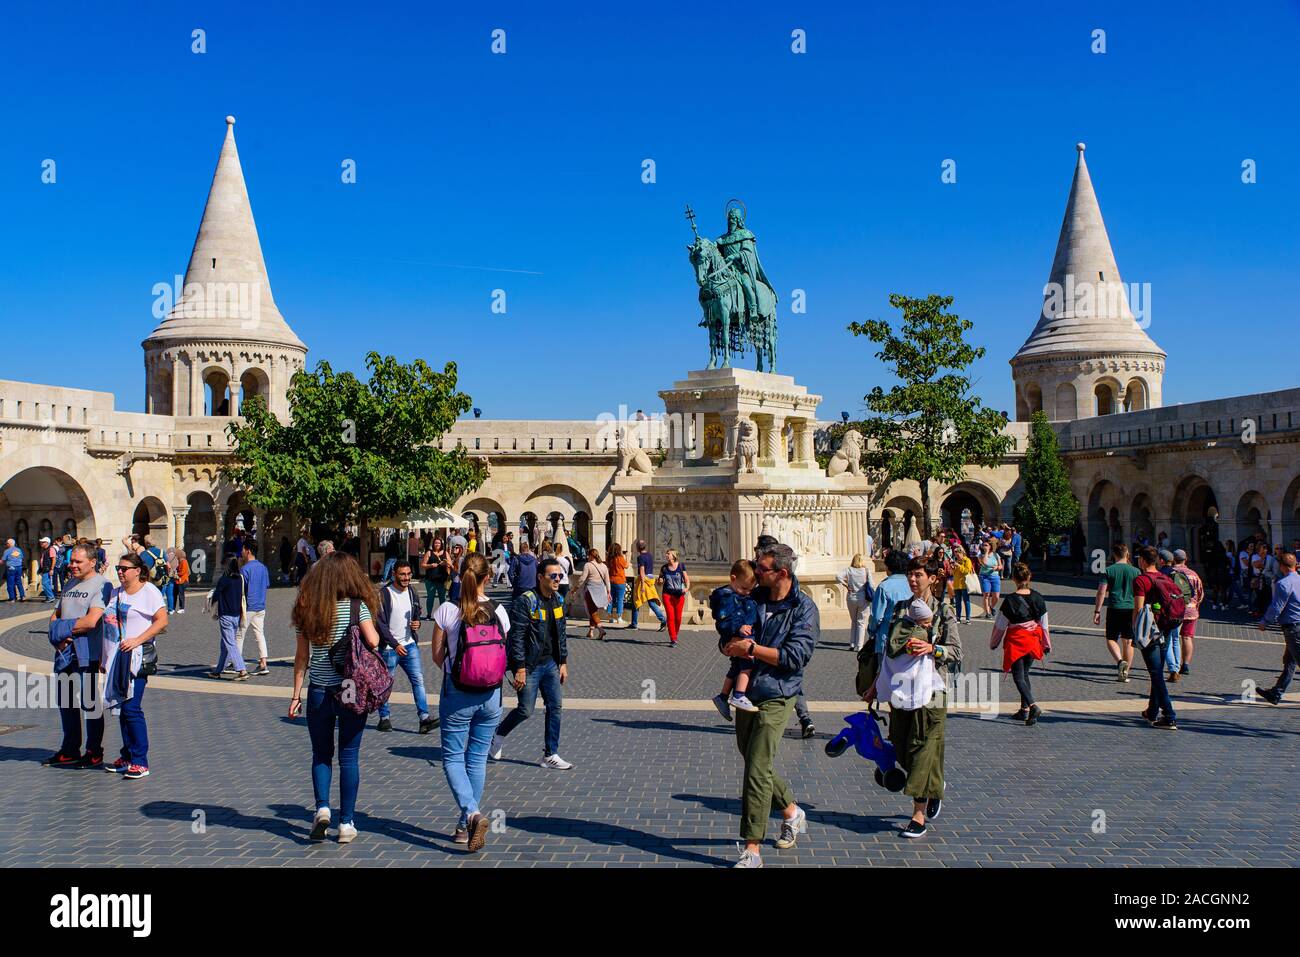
(179, 514)
(778, 443)
(196, 385)
(600, 536)
(235, 375)
(176, 385)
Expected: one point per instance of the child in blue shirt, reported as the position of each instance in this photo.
(735, 614)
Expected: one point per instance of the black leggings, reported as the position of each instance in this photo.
(1020, 675)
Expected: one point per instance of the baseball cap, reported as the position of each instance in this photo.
(1180, 555)
(45, 538)
(1166, 555)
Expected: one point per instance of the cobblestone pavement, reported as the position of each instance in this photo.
(657, 781)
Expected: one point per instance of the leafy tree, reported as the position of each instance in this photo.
(929, 426)
(354, 451)
(1048, 506)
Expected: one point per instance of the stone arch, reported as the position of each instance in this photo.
(1103, 526)
(201, 542)
(1194, 516)
(1142, 523)
(487, 508)
(905, 521)
(1034, 397)
(150, 518)
(253, 381)
(1291, 513)
(1252, 515)
(84, 490)
(217, 399)
(43, 500)
(981, 500)
(1067, 402)
(1106, 396)
(1137, 395)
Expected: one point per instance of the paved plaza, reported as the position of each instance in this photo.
(657, 776)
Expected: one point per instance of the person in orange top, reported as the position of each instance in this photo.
(182, 579)
(617, 565)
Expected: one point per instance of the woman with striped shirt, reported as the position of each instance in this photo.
(321, 616)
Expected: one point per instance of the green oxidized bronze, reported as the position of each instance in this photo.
(738, 300)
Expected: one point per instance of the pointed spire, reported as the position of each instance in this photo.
(227, 293)
(1085, 308)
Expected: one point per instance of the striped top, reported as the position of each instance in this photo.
(321, 671)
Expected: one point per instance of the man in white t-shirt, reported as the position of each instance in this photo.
(398, 624)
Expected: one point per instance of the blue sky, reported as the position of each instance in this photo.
(528, 167)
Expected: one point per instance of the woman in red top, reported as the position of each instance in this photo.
(1021, 627)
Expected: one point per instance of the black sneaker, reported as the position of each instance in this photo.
(385, 725)
(1184, 670)
(914, 829)
(91, 760)
(1020, 715)
(808, 729)
(932, 808)
(1271, 696)
(1166, 723)
(1032, 717)
(61, 760)
(428, 724)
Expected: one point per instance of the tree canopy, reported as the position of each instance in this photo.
(354, 451)
(1048, 506)
(929, 426)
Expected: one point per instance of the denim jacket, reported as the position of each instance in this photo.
(792, 626)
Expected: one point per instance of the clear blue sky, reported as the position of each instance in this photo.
(531, 161)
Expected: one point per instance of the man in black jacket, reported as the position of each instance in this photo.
(537, 653)
(398, 624)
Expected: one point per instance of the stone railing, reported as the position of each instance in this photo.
(1258, 416)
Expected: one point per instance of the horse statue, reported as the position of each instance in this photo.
(738, 302)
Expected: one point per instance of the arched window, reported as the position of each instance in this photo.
(1104, 399)
(1135, 396)
(1067, 402)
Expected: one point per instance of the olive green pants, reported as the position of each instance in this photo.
(917, 737)
(757, 735)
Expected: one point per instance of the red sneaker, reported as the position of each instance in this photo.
(118, 767)
(135, 772)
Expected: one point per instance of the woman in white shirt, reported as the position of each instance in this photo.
(856, 580)
(139, 611)
(468, 718)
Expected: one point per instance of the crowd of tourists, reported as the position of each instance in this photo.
(353, 637)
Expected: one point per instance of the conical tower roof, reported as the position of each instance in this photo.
(227, 294)
(1085, 309)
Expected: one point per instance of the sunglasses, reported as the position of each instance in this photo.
(123, 568)
(555, 578)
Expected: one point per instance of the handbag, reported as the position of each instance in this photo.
(597, 592)
(148, 650)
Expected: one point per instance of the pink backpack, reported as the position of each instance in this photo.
(480, 662)
(366, 681)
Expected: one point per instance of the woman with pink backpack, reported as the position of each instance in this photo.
(469, 646)
(331, 597)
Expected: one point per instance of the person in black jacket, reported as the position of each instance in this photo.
(399, 625)
(789, 626)
(537, 653)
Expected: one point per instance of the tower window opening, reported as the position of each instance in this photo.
(1101, 276)
(214, 264)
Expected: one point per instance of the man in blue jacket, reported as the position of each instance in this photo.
(890, 592)
(523, 570)
(789, 627)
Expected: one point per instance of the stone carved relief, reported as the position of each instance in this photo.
(809, 535)
(695, 537)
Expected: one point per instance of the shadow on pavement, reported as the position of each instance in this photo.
(616, 835)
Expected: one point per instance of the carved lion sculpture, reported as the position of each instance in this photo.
(631, 457)
(848, 457)
(747, 446)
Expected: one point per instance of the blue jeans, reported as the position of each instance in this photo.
(70, 711)
(1154, 656)
(654, 606)
(615, 606)
(14, 582)
(322, 713)
(169, 593)
(962, 596)
(1173, 649)
(47, 585)
(545, 676)
(388, 570)
(135, 733)
(469, 719)
(229, 646)
(414, 670)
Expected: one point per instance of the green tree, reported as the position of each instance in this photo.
(354, 451)
(1048, 506)
(929, 426)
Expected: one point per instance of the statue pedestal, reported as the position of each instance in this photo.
(705, 503)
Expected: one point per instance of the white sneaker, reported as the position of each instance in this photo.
(748, 858)
(320, 824)
(347, 833)
(554, 762)
(497, 747)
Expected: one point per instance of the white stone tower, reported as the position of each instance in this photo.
(1087, 356)
(224, 330)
